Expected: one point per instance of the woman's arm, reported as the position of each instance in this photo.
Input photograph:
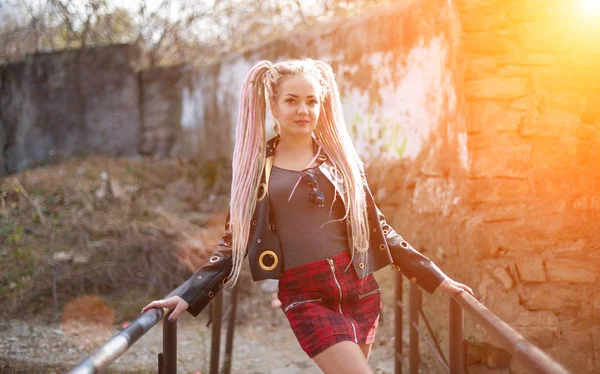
(415, 266)
(203, 285)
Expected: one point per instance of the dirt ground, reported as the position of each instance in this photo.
(84, 244)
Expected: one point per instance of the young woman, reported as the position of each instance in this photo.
(302, 211)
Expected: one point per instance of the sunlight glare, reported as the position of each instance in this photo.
(592, 6)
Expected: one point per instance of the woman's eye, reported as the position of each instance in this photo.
(290, 101)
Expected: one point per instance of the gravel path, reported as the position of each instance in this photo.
(263, 343)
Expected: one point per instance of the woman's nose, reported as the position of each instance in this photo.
(302, 109)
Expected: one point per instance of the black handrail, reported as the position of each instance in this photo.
(105, 355)
(531, 357)
(120, 342)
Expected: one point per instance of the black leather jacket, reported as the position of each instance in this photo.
(265, 254)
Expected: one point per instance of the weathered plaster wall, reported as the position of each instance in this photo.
(55, 105)
(397, 91)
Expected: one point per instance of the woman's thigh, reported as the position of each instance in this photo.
(343, 357)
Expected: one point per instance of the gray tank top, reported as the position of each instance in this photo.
(306, 232)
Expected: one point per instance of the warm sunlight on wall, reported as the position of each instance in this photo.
(591, 7)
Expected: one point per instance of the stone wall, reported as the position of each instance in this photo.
(522, 226)
(60, 104)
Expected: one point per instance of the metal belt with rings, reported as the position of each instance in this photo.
(262, 264)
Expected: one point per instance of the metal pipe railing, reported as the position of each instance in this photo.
(398, 312)
(530, 356)
(455, 337)
(99, 361)
(120, 342)
(413, 337)
(523, 351)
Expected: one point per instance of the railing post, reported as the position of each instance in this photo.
(455, 338)
(215, 344)
(413, 337)
(230, 333)
(169, 358)
(398, 312)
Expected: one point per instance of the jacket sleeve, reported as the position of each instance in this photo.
(199, 290)
(405, 258)
(411, 262)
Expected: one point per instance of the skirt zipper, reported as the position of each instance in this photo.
(340, 302)
(368, 294)
(296, 303)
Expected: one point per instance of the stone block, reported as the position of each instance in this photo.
(573, 247)
(496, 88)
(553, 122)
(540, 327)
(480, 66)
(541, 36)
(571, 271)
(434, 195)
(502, 276)
(502, 212)
(476, 5)
(565, 151)
(591, 202)
(514, 70)
(487, 115)
(529, 103)
(531, 10)
(584, 79)
(546, 207)
(551, 297)
(495, 190)
(531, 269)
(488, 43)
(560, 183)
(483, 21)
(501, 161)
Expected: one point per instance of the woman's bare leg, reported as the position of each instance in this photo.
(343, 357)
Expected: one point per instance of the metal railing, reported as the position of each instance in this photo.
(531, 357)
(506, 337)
(105, 355)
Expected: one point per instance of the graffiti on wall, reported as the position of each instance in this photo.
(383, 136)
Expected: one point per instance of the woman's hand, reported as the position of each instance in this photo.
(173, 302)
(453, 287)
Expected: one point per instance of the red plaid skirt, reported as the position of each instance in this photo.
(326, 303)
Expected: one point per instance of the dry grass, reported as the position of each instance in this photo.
(101, 226)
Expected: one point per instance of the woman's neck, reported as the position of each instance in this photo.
(296, 145)
(294, 153)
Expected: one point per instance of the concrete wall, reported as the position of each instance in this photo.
(161, 102)
(55, 105)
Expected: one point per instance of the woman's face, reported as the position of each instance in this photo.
(297, 106)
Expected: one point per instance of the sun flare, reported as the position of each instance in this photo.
(591, 6)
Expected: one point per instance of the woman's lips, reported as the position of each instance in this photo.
(302, 122)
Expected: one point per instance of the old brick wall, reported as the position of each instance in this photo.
(56, 105)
